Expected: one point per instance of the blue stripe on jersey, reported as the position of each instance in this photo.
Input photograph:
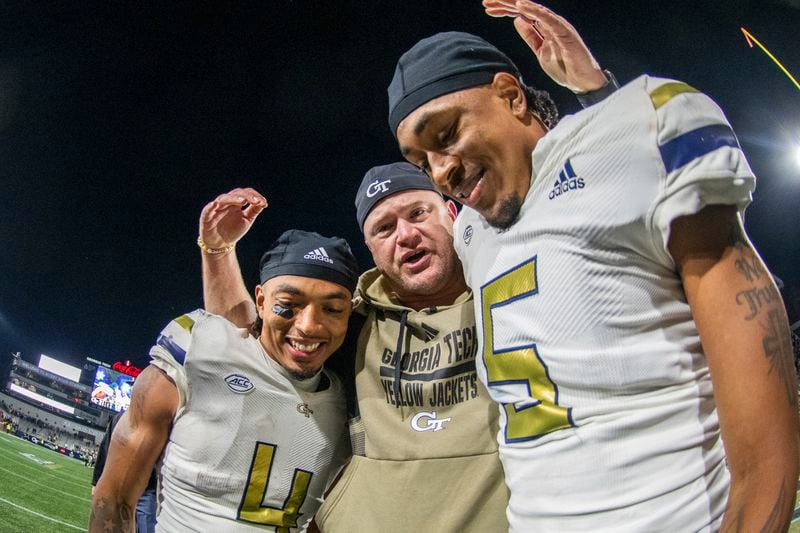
(696, 143)
(172, 347)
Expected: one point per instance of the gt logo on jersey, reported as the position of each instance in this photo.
(567, 181)
(239, 384)
(428, 422)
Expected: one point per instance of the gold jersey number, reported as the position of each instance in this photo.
(525, 420)
(252, 510)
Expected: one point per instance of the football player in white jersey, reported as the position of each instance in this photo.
(628, 327)
(251, 427)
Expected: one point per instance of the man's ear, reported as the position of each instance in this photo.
(260, 297)
(452, 210)
(508, 88)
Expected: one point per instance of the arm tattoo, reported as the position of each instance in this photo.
(147, 384)
(748, 264)
(774, 521)
(750, 267)
(757, 297)
(109, 518)
(137, 408)
(734, 525)
(775, 339)
(778, 352)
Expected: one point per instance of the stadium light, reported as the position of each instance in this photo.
(797, 155)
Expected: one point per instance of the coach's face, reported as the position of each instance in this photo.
(320, 311)
(410, 235)
(476, 146)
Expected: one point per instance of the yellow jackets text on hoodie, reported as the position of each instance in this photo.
(425, 448)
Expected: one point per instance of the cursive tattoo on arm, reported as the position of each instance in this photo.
(750, 267)
(756, 298)
(763, 302)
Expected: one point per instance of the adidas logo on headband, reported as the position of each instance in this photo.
(318, 254)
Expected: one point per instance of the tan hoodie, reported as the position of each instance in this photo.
(425, 448)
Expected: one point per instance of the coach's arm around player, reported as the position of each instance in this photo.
(136, 444)
(745, 336)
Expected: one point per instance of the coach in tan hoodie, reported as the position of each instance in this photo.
(424, 430)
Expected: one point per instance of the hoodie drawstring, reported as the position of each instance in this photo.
(398, 364)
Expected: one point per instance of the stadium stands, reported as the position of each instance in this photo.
(47, 428)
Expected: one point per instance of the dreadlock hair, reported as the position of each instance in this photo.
(541, 104)
(255, 327)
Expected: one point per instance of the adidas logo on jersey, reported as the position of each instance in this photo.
(319, 255)
(567, 181)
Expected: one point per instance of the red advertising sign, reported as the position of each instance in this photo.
(127, 368)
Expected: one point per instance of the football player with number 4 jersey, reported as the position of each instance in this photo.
(251, 427)
(628, 328)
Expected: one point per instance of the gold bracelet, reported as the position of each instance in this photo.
(214, 251)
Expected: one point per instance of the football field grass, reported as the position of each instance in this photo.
(41, 491)
(45, 492)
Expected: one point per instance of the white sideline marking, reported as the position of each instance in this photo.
(47, 486)
(41, 515)
(61, 475)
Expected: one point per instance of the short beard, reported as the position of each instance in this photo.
(302, 375)
(508, 212)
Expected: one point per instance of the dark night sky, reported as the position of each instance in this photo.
(119, 121)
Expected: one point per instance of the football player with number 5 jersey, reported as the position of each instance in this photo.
(628, 328)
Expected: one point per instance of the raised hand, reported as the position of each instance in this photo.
(229, 216)
(557, 45)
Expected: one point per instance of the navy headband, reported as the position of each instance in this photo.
(441, 64)
(307, 254)
(380, 182)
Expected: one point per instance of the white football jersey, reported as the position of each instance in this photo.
(588, 343)
(250, 447)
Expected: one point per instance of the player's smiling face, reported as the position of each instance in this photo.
(410, 235)
(317, 326)
(476, 146)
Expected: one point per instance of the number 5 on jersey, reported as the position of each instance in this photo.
(520, 364)
(251, 509)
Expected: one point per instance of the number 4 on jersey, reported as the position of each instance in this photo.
(520, 364)
(252, 510)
